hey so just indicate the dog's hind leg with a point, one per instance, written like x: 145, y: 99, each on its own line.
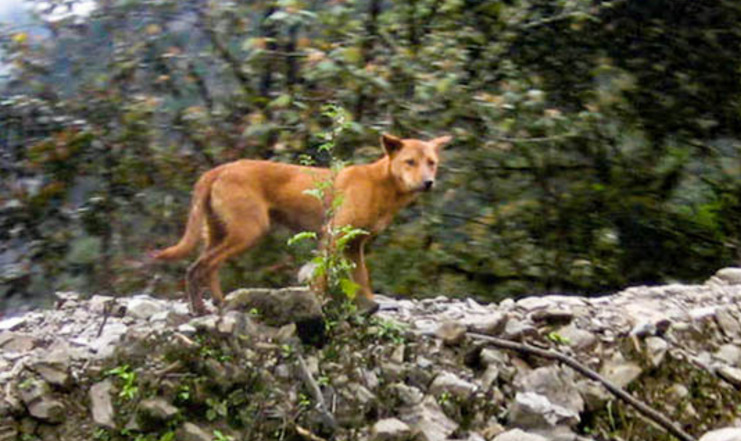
x: 244, y: 220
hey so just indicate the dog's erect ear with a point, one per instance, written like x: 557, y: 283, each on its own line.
x: 391, y: 144
x: 441, y: 141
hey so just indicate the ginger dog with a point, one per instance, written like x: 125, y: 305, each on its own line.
x: 236, y: 204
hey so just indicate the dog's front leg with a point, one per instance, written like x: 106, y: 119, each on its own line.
x: 356, y: 254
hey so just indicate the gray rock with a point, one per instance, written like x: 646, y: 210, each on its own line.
x: 594, y: 394
x: 361, y: 394
x: 39, y: 401
x: 144, y: 307
x: 390, y: 429
x: 553, y: 316
x: 48, y: 410
x: 578, y: 339
x: 726, y: 434
x: 451, y: 333
x: 105, y: 345
x: 406, y: 395
x: 534, y: 411
x: 98, y: 304
x: 730, y: 374
x: 492, y: 323
x: 490, y: 376
x: 656, y: 350
x: 18, y: 342
x: 729, y: 354
x: 205, y: 323
x: 276, y: 307
x: 153, y: 412
x: 621, y: 372
x: 191, y: 432
x: 518, y: 435
x: 554, y: 383
x: 728, y: 276
x: 235, y: 322
x: 490, y: 356
x: 101, y: 405
x: 728, y: 323
x: 450, y: 383
x: 518, y: 329
x: 12, y: 323
x: 428, y: 420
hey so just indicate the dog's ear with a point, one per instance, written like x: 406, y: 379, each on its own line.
x: 441, y: 141
x: 391, y: 144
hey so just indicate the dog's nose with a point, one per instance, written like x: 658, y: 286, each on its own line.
x: 428, y: 184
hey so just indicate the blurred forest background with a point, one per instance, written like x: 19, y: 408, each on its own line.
x: 597, y: 143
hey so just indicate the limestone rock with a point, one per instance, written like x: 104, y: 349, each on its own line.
x: 594, y: 394
x: 152, y: 412
x: 17, y: 341
x: 144, y: 307
x: 390, y: 429
x: 728, y: 323
x: 518, y: 435
x: 450, y: 383
x: 428, y: 419
x: 491, y: 323
x: 276, y: 307
x: 191, y: 432
x: 554, y: 383
x: 101, y: 404
x: 729, y: 354
x: 41, y: 404
x: 12, y: 323
x: 727, y: 276
x: 726, y: 434
x: 451, y: 333
x: 534, y: 411
x: 620, y: 371
x: 656, y: 350
x: 578, y: 339
x: 731, y: 375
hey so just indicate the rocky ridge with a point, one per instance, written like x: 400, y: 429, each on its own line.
x: 141, y: 368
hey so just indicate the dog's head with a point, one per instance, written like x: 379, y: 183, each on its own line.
x: 413, y: 162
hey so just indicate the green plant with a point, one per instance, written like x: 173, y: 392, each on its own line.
x: 216, y: 409
x: 557, y: 338
x: 330, y: 263
x: 389, y: 330
x: 129, y: 390
x: 220, y: 436
x: 444, y: 398
x: 304, y: 401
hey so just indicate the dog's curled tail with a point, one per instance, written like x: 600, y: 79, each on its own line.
x: 192, y: 235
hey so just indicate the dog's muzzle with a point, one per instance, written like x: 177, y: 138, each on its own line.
x: 427, y: 185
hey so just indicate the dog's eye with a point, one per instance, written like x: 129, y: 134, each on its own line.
x: 431, y: 163
x: 410, y: 162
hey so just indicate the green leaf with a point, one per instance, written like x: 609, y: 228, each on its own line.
x: 302, y: 236
x: 349, y: 288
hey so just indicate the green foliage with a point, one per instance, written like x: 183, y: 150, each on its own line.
x: 128, y: 378
x: 330, y: 262
x: 596, y: 143
x: 219, y: 436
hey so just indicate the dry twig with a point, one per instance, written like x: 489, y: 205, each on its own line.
x: 550, y: 354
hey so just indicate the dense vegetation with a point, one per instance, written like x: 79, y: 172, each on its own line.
x: 596, y: 142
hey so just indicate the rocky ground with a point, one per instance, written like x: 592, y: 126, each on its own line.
x: 140, y: 368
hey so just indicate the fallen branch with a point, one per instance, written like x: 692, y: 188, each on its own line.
x: 316, y: 393
x: 550, y: 354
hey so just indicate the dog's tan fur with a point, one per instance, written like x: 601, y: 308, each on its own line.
x: 239, y: 202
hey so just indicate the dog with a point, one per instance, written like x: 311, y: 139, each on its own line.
x: 237, y: 203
